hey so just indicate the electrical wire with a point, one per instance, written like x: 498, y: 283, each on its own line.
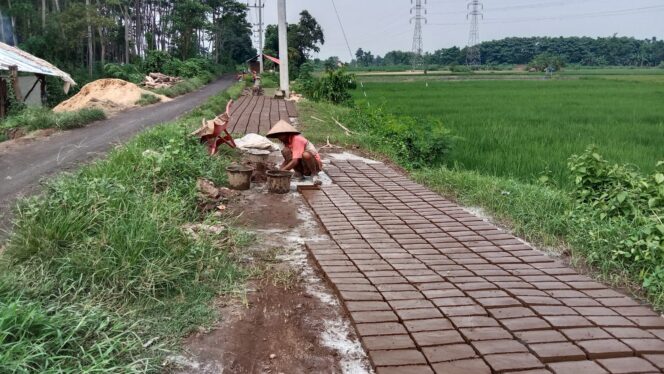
x: 343, y: 31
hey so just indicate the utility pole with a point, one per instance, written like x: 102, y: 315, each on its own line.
x: 418, y: 44
x: 283, y: 49
x: 475, y: 11
x: 259, y: 7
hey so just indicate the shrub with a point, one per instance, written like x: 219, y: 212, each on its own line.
x: 661, y: 65
x: 334, y: 87
x: 620, y: 212
x: 127, y: 72
x: 545, y: 61
x: 155, y: 61
x: 460, y: 69
x: 413, y: 142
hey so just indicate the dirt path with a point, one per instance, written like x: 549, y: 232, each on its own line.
x: 23, y: 164
x: 431, y: 288
x: 291, y: 322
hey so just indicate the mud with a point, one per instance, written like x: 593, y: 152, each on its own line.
x: 290, y: 321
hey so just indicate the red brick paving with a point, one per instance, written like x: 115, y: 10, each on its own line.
x: 257, y: 114
x: 432, y: 288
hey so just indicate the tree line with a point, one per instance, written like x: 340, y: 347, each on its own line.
x: 610, y: 51
x: 75, y: 33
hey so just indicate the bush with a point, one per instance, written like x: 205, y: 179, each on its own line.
x: 155, y: 61
x: 460, y: 69
x: 33, y: 118
x: 661, y: 65
x: 334, y: 86
x: 127, y: 72
x: 545, y: 61
x: 414, y: 143
x: 620, y: 212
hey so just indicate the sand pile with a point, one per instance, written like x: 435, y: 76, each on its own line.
x: 109, y: 95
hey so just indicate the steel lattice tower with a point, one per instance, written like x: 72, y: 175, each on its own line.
x: 418, y: 45
x: 475, y: 12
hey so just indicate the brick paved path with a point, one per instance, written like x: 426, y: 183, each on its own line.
x: 432, y: 288
x: 257, y: 114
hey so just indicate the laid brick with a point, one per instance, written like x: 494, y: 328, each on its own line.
x: 377, y: 343
x: 355, y: 287
x: 513, y: 362
x: 567, y: 321
x: 363, y: 306
x: 425, y: 313
x: 485, y: 333
x: 395, y: 287
x: 525, y: 324
x: 432, y: 338
x: 586, y: 333
x: 540, y: 336
x: 474, y: 366
x: 410, y: 369
x: 629, y: 332
x: 534, y: 371
x: 402, y: 295
x: 479, y: 321
x: 557, y: 352
x: 383, y: 328
x: 400, y: 357
x: 428, y: 325
x: 554, y: 310
x: 648, y: 322
x: 498, y: 302
x: 627, y: 365
x: 577, y: 367
x: 606, y: 348
x: 410, y: 304
x: 611, y: 321
x: 645, y: 345
x: 580, y: 301
x: 451, y: 301
x: 618, y: 301
x: 467, y: 310
x: 514, y: 312
x: 361, y: 296
x: 657, y: 360
x: 635, y: 311
x: 374, y: 316
x: 595, y: 311
x: 450, y: 352
x: 486, y: 347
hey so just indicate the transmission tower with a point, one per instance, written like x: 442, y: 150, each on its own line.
x: 420, y: 11
x: 259, y: 7
x: 475, y: 12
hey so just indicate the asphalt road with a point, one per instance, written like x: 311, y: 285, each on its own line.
x: 24, y: 166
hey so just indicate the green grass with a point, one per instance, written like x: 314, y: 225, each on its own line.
x: 99, y: 264
x: 521, y: 129
x: 31, y: 119
x: 186, y: 86
x: 147, y: 99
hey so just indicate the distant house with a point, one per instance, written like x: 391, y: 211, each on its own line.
x: 29, y: 88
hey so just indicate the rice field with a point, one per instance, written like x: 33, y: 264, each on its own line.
x: 527, y: 128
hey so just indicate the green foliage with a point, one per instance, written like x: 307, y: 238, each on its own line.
x: 460, y: 69
x: 304, y: 38
x: 413, y: 142
x: 111, y: 236
x: 661, y: 65
x: 631, y: 205
x: 270, y: 80
x: 546, y: 61
x: 334, y: 86
x: 127, y: 72
x: 186, y: 86
x: 155, y: 61
x: 32, y: 119
x: 147, y: 99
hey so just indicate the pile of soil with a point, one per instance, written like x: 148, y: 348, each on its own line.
x: 109, y: 95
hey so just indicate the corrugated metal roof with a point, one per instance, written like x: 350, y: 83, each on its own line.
x: 12, y: 56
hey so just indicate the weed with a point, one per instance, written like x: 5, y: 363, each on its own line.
x: 147, y: 99
x: 32, y: 119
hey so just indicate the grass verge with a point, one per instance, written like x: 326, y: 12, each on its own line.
x: 31, y: 119
x: 547, y: 216
x: 147, y: 99
x: 186, y: 86
x: 98, y: 275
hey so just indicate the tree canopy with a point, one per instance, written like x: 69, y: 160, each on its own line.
x: 304, y: 38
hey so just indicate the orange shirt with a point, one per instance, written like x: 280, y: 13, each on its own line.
x: 298, y: 144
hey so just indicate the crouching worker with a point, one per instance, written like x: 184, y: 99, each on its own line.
x: 299, y: 154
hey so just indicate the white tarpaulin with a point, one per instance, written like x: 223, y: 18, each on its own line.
x: 27, y: 63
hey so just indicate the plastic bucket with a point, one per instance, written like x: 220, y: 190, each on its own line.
x: 239, y: 177
x: 278, y: 181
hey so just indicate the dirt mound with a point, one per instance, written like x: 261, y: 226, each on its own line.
x: 109, y: 95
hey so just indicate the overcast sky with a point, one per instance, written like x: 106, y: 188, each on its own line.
x: 383, y: 25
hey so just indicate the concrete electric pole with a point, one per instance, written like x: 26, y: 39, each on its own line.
x: 283, y: 49
x: 259, y: 7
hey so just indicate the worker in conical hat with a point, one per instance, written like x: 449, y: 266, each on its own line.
x: 299, y: 154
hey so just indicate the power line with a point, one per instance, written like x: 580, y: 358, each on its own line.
x: 343, y: 31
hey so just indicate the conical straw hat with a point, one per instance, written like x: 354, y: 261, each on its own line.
x: 282, y: 127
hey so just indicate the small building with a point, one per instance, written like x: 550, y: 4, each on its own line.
x: 29, y: 88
